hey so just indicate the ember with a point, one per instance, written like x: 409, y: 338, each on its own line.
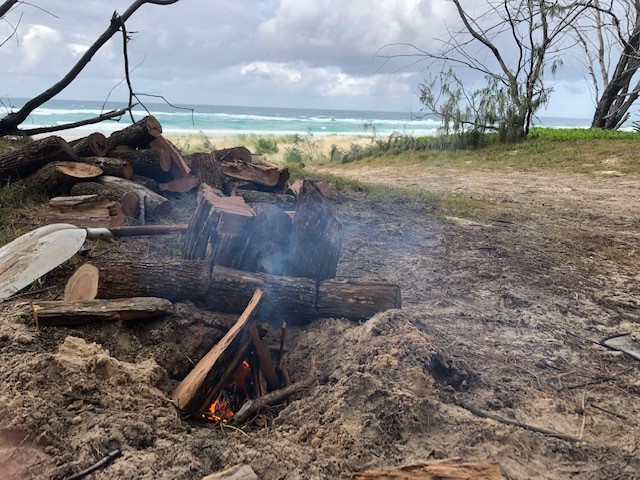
x: 236, y: 392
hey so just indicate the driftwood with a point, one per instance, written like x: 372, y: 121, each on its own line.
x: 128, y: 200
x: 93, y: 145
x: 61, y: 313
x: 206, y: 381
x: 437, y: 470
x: 218, y: 230
x: 110, y: 166
x: 206, y: 167
x: 154, y: 203
x: 59, y: 177
x: 317, y: 236
x: 19, y: 162
x: 86, y: 211
x: 138, y: 134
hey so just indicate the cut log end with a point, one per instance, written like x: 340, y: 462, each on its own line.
x: 83, y: 284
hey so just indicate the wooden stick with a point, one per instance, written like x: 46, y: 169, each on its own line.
x: 251, y: 407
x: 515, y: 423
x: 264, y: 357
x: 102, y: 463
x: 283, y: 335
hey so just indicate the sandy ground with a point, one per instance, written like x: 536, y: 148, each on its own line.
x: 500, y: 313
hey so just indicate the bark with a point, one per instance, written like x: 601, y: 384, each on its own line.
x: 93, y: 145
x: 86, y: 211
x: 218, y: 230
x: 437, y: 470
x: 356, y: 299
x: 206, y: 167
x: 27, y: 159
x: 317, y: 236
x: 261, y: 174
x: 63, y: 313
x: 240, y: 154
x: 180, y: 185
x: 268, y: 247
x: 285, y: 297
x: 147, y: 182
x: 9, y: 124
x: 179, y: 167
x: 146, y: 161
x: 174, y: 280
x: 58, y: 177
x: 127, y: 199
x: 285, y: 202
x: 206, y: 381
x: 110, y: 166
x: 138, y: 134
x: 154, y: 203
x: 264, y: 356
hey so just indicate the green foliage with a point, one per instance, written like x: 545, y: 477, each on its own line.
x: 568, y: 134
x: 304, y: 150
x: 265, y: 145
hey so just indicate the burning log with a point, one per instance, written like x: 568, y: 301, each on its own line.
x: 147, y: 162
x: 63, y: 313
x: 58, y: 177
x: 437, y: 470
x: 268, y: 246
x: 206, y: 167
x: 218, y: 230
x: 86, y: 211
x: 207, y: 380
x: 128, y: 200
x: 138, y: 134
x: 110, y: 166
x: 356, y: 299
x: 18, y: 162
x: 154, y: 203
x: 317, y: 236
x: 93, y: 145
x: 252, y: 407
x: 178, y: 167
x: 172, y: 279
x: 180, y: 185
x: 283, y: 201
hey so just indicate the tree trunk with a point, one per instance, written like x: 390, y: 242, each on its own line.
x: 58, y: 177
x: 127, y: 199
x: 218, y: 230
x: 147, y: 182
x: 22, y: 161
x: 63, y: 313
x: 268, y: 247
x: 317, y: 236
x: 285, y: 297
x: 206, y: 167
x: 110, y: 166
x: 138, y: 134
x: 262, y: 174
x: 240, y: 154
x: 154, y: 203
x: 86, y: 211
x: 94, y: 145
x: 146, y: 161
x: 172, y: 279
x: 180, y: 185
x: 178, y: 167
x: 356, y: 299
x: 206, y: 381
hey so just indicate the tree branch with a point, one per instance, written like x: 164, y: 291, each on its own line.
x: 67, y: 126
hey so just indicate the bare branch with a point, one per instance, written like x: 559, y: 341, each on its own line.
x: 100, y: 118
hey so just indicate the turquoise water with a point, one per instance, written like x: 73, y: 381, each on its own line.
x: 227, y: 120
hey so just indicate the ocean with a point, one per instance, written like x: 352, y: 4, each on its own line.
x: 219, y: 121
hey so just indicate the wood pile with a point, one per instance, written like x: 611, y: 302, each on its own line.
x: 254, y: 245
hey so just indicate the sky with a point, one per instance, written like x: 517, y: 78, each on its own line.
x: 274, y: 53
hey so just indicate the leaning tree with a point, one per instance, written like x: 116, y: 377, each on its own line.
x: 10, y: 124
x: 513, y: 46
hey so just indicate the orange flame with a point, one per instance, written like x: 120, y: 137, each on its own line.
x: 221, y: 409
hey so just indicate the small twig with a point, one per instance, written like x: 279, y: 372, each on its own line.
x: 598, y: 380
x: 584, y: 416
x: 251, y: 407
x: 26, y: 294
x: 515, y: 423
x: 602, y: 409
x: 102, y: 463
x: 283, y: 336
